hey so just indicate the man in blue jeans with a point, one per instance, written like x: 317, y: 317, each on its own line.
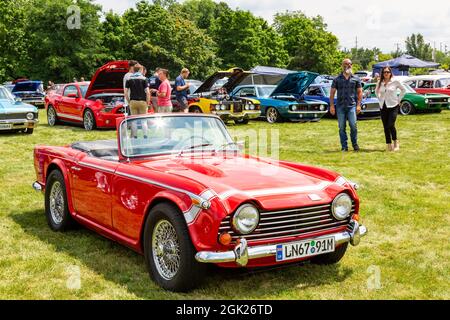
x: 349, y: 96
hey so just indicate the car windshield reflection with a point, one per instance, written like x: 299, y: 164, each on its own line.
x: 157, y: 135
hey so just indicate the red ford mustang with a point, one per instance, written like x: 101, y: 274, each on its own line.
x: 96, y: 104
x: 179, y: 190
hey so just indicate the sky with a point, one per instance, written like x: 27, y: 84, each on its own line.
x: 381, y: 23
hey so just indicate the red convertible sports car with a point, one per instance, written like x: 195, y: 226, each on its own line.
x: 96, y: 104
x: 179, y: 191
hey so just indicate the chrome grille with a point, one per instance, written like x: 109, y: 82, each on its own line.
x: 372, y: 107
x: 13, y: 116
x: 291, y: 222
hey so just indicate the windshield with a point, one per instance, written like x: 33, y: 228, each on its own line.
x: 265, y: 91
x: 5, y: 94
x: 153, y: 135
x: 443, y: 83
x: 28, y: 86
x: 326, y: 90
x: 83, y: 90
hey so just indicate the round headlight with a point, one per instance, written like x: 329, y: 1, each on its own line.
x: 341, y: 206
x: 223, y: 107
x: 247, y: 107
x: 426, y: 100
x: 30, y: 116
x: 246, y: 219
x: 217, y: 107
x: 322, y: 108
x: 252, y: 107
x: 363, y: 107
x: 294, y: 108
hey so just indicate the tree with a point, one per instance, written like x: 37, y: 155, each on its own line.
x: 246, y: 41
x: 12, y: 38
x: 204, y: 12
x: 416, y: 46
x: 309, y: 44
x: 174, y: 44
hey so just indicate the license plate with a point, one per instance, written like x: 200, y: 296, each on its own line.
x: 305, y: 248
x: 5, y: 126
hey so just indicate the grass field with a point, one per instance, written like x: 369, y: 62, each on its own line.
x: 404, y: 203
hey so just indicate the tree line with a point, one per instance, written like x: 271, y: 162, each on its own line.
x: 36, y: 41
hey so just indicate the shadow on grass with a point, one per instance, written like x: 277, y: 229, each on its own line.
x: 126, y: 268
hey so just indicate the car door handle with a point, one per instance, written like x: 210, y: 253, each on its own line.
x: 75, y: 168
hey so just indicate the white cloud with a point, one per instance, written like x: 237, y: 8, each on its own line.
x: 376, y: 24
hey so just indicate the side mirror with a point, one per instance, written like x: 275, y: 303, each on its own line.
x: 72, y: 95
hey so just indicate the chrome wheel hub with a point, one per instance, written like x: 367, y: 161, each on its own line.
x: 166, y: 249
x: 272, y: 115
x: 88, y: 121
x: 57, y: 203
x: 405, y: 108
x: 51, y: 116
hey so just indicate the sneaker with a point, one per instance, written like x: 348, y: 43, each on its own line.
x: 356, y: 147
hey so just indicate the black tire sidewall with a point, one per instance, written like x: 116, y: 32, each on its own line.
x: 57, y: 176
x: 189, y: 274
x: 332, y: 257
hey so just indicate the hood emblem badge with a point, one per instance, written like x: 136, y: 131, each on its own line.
x: 314, y: 197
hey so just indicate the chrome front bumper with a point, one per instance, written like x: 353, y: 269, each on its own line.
x: 20, y: 124
x: 247, y: 114
x: 242, y: 253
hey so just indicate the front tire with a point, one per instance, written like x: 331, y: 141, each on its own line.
x: 272, y: 115
x: 89, y: 120
x: 168, y: 250
x: 28, y: 130
x: 56, y: 207
x: 241, y: 121
x: 407, y: 108
x: 332, y: 257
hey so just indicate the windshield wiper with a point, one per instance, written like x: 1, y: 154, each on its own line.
x: 194, y: 147
x: 225, y: 145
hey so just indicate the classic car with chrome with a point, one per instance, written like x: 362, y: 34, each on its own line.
x: 213, y: 96
x: 370, y: 106
x: 31, y: 92
x: 285, y: 101
x: 181, y: 192
x: 414, y: 102
x: 193, y: 86
x: 16, y: 115
x: 95, y: 104
x: 430, y: 84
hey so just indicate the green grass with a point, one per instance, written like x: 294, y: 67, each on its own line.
x: 404, y: 203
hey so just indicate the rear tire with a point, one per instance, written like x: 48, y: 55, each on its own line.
x: 52, y: 118
x: 168, y: 250
x: 56, y: 207
x: 332, y: 257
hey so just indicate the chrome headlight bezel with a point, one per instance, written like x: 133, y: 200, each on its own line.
x: 245, y: 211
x: 341, y: 202
x: 223, y: 107
x: 30, y: 115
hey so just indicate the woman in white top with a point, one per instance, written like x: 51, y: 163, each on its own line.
x: 387, y: 93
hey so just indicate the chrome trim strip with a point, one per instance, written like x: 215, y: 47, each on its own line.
x: 13, y: 121
x: 93, y: 166
x: 68, y: 116
x: 307, y: 112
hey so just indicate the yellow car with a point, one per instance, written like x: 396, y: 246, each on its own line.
x: 213, y: 97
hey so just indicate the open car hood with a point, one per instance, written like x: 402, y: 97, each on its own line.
x: 108, y: 78
x: 295, y: 84
x: 235, y: 77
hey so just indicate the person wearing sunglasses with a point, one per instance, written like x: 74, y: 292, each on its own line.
x: 387, y: 91
x: 349, y: 96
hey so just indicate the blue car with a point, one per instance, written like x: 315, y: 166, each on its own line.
x: 15, y: 115
x: 285, y: 101
x: 31, y: 92
x: 370, y: 108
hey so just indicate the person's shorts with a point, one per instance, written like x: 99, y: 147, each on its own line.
x: 164, y: 109
x: 183, y: 103
x: 138, y: 107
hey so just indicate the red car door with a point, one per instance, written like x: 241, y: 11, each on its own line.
x: 71, y: 104
x: 91, y: 188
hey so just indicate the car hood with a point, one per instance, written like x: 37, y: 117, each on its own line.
x: 8, y: 106
x: 295, y: 83
x: 108, y: 78
x: 237, y: 179
x: 235, y: 77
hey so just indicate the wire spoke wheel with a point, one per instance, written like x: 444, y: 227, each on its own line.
x: 166, y: 249
x: 57, y: 203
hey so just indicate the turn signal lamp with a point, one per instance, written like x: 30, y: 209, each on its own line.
x: 225, y: 238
